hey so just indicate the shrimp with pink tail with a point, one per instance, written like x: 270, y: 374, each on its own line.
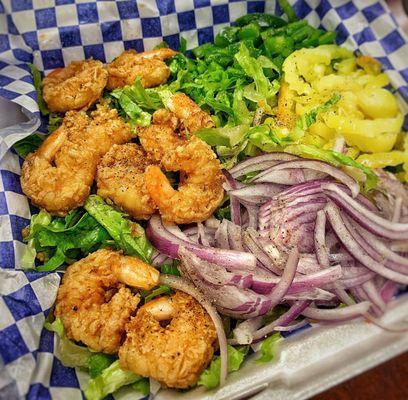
x: 94, y: 301
x: 149, y: 66
x: 174, y: 354
x: 59, y: 174
x: 75, y: 87
x: 200, y: 190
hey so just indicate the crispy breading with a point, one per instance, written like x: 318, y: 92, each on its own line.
x: 174, y: 354
x: 75, y: 87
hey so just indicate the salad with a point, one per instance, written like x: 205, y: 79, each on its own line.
x: 201, y: 202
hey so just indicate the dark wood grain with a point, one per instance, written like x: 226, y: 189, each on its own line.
x: 388, y: 381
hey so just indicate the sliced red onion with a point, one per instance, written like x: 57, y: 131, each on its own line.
x: 281, y: 176
x: 169, y: 244
x: 373, y: 222
x: 279, y: 291
x: 388, y: 291
x: 259, y: 163
x: 357, y: 280
x: 308, y: 264
x: 178, y: 283
x: 356, y: 250
x: 373, y: 295
x: 311, y: 294
x: 229, y: 299
x: 256, y: 194
x: 244, y: 330
x: 202, y: 235
x: 292, y: 327
x: 221, y: 236
x: 235, y: 236
x: 321, y: 251
x: 337, y: 314
x: 252, y: 215
x: 397, y: 210
x: 273, y: 174
x: 234, y: 203
x: 382, y: 248
x: 264, y: 284
x: 294, y: 311
x: 250, y: 237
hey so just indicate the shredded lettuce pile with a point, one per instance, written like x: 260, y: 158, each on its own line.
x: 57, y: 241
x: 104, y: 369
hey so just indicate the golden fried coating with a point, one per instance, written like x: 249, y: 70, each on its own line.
x: 58, y: 176
x: 149, y: 66
x: 175, y: 354
x: 75, y: 87
x: 192, y: 116
x: 157, y: 140
x: 120, y: 178
x: 93, y: 302
x: 200, y: 191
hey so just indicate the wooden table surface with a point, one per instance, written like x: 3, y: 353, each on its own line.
x: 388, y: 381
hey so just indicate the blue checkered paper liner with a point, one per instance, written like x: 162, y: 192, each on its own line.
x: 50, y: 34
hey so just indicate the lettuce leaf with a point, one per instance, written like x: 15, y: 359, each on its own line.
x: 37, y: 80
x: 334, y: 158
x: 62, y: 240
x: 268, y: 348
x: 69, y: 353
x: 227, y: 136
x: 210, y: 378
x: 128, y: 236
x: 136, y: 103
x: 309, y: 118
x: 110, y: 380
x: 27, y: 145
x: 97, y: 362
x: 254, y: 69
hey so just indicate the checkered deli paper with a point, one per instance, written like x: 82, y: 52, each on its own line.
x: 50, y: 34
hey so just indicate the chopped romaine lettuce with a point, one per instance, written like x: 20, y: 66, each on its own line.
x: 151, y: 294
x: 268, y: 348
x: 308, y: 119
x: 97, y: 362
x: 69, y: 353
x: 254, y: 69
x: 210, y: 378
x: 27, y: 145
x: 136, y: 103
x: 128, y: 236
x: 170, y: 269
x: 62, y: 239
x: 110, y: 380
x: 37, y: 80
x: 227, y: 136
x: 142, y: 386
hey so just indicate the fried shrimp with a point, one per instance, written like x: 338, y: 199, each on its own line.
x: 176, y: 354
x: 191, y: 115
x: 149, y: 66
x: 121, y: 178
x: 75, y: 87
x: 58, y: 176
x: 93, y: 301
x: 200, y: 190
